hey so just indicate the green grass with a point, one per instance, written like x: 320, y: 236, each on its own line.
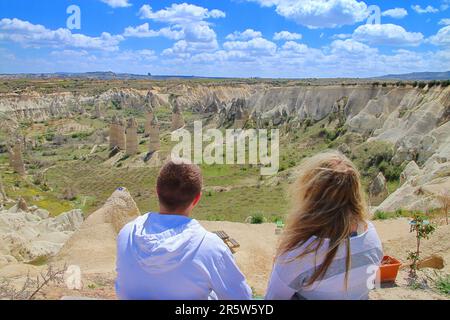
x: 442, y: 283
x: 257, y: 219
x: 383, y: 215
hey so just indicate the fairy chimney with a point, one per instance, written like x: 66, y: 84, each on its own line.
x: 155, y: 144
x: 132, y: 137
x: 121, y: 138
x: 3, y: 197
x: 113, y: 133
x: 177, y: 116
x: 148, y: 114
x: 240, y: 116
x: 16, y: 159
x: 98, y: 109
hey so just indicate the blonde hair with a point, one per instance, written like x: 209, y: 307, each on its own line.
x: 327, y: 203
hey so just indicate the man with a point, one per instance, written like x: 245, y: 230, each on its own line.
x: 170, y: 256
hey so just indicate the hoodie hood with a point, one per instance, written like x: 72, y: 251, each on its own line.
x: 163, y: 242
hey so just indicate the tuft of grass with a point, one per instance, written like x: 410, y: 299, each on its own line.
x: 442, y: 283
x: 380, y: 215
x: 39, y: 261
x: 257, y: 219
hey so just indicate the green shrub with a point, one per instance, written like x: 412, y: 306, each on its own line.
x: 442, y: 283
x: 257, y: 219
x: 380, y: 215
x: 81, y: 135
x: 49, y: 136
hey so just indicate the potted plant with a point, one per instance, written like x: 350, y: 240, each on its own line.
x: 389, y: 269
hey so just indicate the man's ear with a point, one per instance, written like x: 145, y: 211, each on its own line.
x: 196, y: 199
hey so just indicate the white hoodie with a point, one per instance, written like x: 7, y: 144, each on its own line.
x: 172, y: 257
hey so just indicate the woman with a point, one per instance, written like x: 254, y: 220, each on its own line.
x: 328, y: 250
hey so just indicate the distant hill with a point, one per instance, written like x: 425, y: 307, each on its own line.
x: 424, y: 76
x: 91, y: 75
x: 109, y: 75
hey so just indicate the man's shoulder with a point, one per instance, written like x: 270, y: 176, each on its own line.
x: 127, y: 228
x: 213, y: 245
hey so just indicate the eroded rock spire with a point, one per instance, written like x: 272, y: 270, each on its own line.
x: 132, y: 143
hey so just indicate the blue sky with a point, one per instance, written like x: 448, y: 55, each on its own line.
x: 232, y: 38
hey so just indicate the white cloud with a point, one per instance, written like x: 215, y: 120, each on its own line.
x: 295, y: 47
x: 387, y: 34
x: 442, y: 38
x: 117, y: 3
x: 444, y: 22
x: 319, y: 13
x: 186, y: 23
x: 260, y: 46
x: 35, y: 35
x: 184, y: 50
x: 144, y: 31
x: 351, y: 47
x: 429, y: 9
x: 245, y: 35
x: 341, y: 36
x: 286, y: 35
x: 180, y: 13
x: 396, y: 13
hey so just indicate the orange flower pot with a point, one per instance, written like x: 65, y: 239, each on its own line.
x: 389, y: 269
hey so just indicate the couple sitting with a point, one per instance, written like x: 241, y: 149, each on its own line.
x: 325, y: 252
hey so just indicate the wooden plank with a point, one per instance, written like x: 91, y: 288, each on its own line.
x: 234, y: 243
x: 222, y: 235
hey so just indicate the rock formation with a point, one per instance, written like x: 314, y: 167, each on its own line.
x: 378, y: 189
x: 16, y: 158
x: 413, y: 119
x: 93, y: 246
x: 411, y: 170
x: 155, y: 144
x: 148, y: 113
x: 240, y: 114
x: 98, y: 108
x: 3, y: 197
x: 121, y: 137
x: 117, y: 138
x: 132, y: 143
x: 177, y: 116
x: 29, y: 234
x: 22, y: 205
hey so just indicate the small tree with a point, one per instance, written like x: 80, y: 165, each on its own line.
x: 423, y: 229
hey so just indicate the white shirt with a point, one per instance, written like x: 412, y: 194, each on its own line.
x: 290, y: 275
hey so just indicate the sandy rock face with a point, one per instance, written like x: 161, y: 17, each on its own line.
x: 411, y: 170
x: 93, y: 246
x: 27, y: 236
x: 378, y: 189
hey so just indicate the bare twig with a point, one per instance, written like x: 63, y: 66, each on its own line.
x: 31, y: 287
